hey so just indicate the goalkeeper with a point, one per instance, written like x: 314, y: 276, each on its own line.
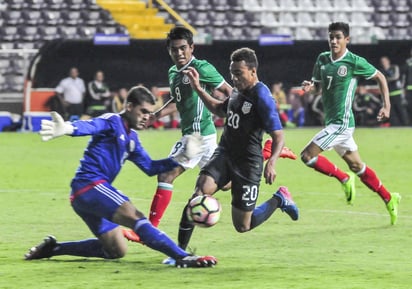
x: 101, y: 206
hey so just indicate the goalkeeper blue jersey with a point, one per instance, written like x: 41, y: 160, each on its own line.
x: 112, y: 143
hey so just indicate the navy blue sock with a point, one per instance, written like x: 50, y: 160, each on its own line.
x: 84, y: 248
x: 263, y: 212
x: 157, y: 240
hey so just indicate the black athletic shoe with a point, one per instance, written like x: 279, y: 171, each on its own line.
x: 43, y: 250
x: 196, y: 262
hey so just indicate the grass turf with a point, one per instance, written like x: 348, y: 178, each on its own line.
x: 333, y: 245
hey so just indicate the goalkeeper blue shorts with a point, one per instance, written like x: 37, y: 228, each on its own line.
x: 96, y: 205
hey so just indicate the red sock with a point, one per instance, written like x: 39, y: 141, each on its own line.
x: 324, y: 166
x: 370, y: 179
x: 160, y: 201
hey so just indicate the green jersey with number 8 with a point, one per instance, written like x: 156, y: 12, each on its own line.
x: 338, y: 79
x: 195, y: 117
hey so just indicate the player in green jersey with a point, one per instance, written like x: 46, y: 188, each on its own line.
x: 335, y: 74
x: 195, y: 117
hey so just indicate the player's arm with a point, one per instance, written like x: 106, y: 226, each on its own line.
x: 191, y: 148
x: 310, y: 86
x: 168, y: 108
x: 223, y: 91
x: 151, y: 167
x: 384, y: 112
x: 54, y: 128
x: 57, y: 127
x: 278, y: 141
x: 216, y: 106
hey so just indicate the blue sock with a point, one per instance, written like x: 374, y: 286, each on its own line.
x: 84, y: 248
x: 263, y: 212
x: 157, y: 240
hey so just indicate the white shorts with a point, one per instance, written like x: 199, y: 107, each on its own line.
x: 208, y: 147
x: 334, y: 136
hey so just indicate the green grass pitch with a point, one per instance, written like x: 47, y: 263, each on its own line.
x: 333, y: 245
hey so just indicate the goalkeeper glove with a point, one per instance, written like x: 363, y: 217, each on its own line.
x: 56, y: 127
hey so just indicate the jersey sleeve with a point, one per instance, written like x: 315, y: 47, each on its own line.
x: 150, y: 167
x: 267, y: 110
x: 316, y: 70
x: 209, y: 75
x: 103, y: 124
x: 364, y: 69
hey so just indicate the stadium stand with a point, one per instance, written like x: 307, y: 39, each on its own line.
x: 27, y: 24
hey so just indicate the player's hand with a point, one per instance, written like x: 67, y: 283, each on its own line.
x: 307, y: 85
x: 383, y: 114
x: 193, y: 75
x: 269, y: 172
x: 191, y: 148
x: 56, y: 127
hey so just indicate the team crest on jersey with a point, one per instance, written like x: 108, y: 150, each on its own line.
x: 246, y: 107
x: 342, y: 70
x: 185, y: 79
x: 132, y: 146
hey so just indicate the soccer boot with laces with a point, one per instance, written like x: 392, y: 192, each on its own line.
x: 286, y: 203
x: 392, y: 207
x: 43, y: 250
x: 349, y: 188
x: 196, y: 262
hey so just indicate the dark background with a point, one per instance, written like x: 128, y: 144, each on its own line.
x: 147, y: 62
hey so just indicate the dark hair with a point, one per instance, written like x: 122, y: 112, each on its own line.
x: 339, y: 26
x: 139, y: 94
x: 179, y: 32
x: 246, y: 54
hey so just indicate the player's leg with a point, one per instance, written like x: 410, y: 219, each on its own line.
x: 312, y: 158
x: 330, y: 137
x: 164, y: 190
x: 95, y: 207
x: 127, y: 215
x: 371, y: 180
x: 205, y: 185
x: 163, y: 194
x: 105, y: 246
x: 245, y: 216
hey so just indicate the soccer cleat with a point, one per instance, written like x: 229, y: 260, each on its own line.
x: 392, y: 207
x: 131, y: 235
x: 169, y: 261
x: 196, y: 262
x: 286, y: 204
x: 285, y: 153
x: 349, y: 188
x: 43, y: 250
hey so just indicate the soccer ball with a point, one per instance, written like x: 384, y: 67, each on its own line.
x: 203, y: 211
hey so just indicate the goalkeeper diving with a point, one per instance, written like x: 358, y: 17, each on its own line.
x: 101, y: 206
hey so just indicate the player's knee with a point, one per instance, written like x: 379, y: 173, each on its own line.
x: 116, y: 253
x: 307, y: 159
x: 166, y: 178
x: 356, y: 167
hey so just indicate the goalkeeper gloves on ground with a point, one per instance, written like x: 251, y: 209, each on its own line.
x: 56, y: 127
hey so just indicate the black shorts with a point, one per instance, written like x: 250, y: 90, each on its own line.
x: 245, y: 175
